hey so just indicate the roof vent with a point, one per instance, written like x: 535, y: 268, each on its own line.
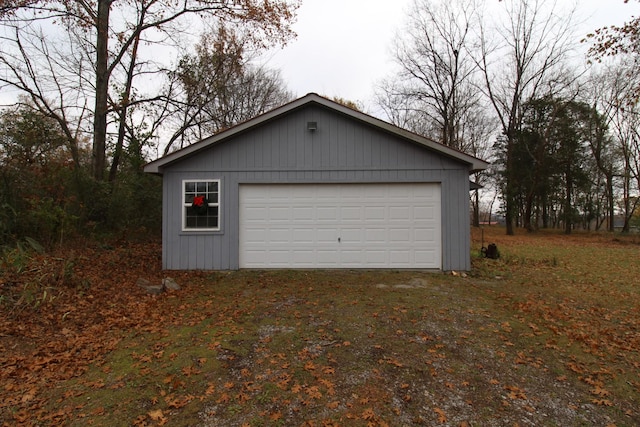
x: 312, y: 126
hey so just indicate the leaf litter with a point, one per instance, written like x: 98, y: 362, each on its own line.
x: 547, y: 335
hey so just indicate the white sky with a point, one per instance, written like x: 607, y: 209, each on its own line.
x: 343, y: 46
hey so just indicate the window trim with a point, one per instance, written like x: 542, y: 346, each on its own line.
x: 185, y: 205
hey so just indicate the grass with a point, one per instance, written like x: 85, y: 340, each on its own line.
x: 547, y: 335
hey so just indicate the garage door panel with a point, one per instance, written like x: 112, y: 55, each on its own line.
x: 401, y: 192
x: 327, y: 213
x: 273, y: 192
x: 281, y: 257
x: 378, y: 226
x: 351, y: 257
x: 255, y: 257
x: 254, y: 213
x: 348, y: 235
x: 304, y: 235
x: 376, y: 235
x: 303, y: 257
x: 399, y: 235
x: 426, y: 256
x: 400, y: 213
x: 327, y: 258
x: 305, y: 213
x: 279, y: 235
x: 322, y: 192
x: 375, y: 213
x: 400, y: 257
x: 376, y: 258
x: 424, y: 212
x: 352, y: 192
x: 255, y: 236
x: 424, y: 235
x: 327, y: 235
x: 350, y: 213
x: 279, y: 214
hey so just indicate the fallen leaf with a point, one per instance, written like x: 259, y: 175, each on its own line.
x: 599, y: 391
x: 210, y: 389
x: 28, y: 396
x: 275, y: 416
x: 368, y: 414
x: 158, y: 416
x: 328, y: 370
x: 190, y: 370
x: 98, y: 411
x: 442, y: 418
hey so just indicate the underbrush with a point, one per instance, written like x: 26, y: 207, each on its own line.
x: 30, y: 277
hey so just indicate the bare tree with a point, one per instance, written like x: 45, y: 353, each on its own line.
x: 522, y: 55
x: 624, y: 116
x: 401, y: 110
x: 219, y: 86
x: 49, y: 78
x: 477, y: 130
x: 432, y: 91
x: 617, y: 41
x: 108, y: 35
x: 610, y: 90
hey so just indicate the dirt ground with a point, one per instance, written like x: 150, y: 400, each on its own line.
x: 546, y: 335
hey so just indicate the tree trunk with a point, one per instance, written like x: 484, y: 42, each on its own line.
x: 567, y: 201
x: 610, y: 204
x: 510, y: 203
x: 476, y: 209
x: 122, y: 121
x: 528, y: 211
x: 102, y: 88
x: 508, y: 215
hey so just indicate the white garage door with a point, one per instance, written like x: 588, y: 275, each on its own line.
x: 340, y: 226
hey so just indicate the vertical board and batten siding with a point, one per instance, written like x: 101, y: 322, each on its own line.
x: 341, y: 150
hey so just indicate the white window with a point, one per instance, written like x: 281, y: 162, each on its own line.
x: 201, y: 205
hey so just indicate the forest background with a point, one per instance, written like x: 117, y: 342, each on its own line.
x: 105, y: 86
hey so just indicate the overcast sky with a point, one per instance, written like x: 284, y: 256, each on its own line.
x: 343, y: 46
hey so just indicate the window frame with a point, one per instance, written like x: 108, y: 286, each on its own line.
x: 186, y: 205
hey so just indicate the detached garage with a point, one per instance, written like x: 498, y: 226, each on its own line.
x: 314, y: 184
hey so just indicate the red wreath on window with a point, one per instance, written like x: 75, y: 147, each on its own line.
x: 198, y: 201
x: 200, y: 204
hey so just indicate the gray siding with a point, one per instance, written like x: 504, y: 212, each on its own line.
x: 341, y: 150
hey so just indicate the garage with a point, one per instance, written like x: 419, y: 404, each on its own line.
x: 381, y: 225
x: 316, y: 184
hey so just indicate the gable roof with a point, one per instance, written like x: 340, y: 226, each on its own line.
x: 156, y: 166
